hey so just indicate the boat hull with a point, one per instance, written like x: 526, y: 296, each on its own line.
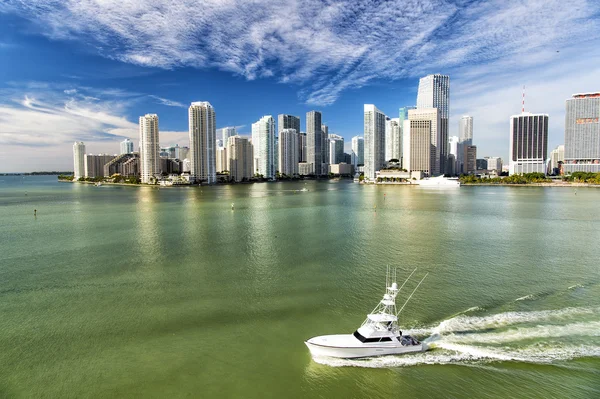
x: 358, y: 350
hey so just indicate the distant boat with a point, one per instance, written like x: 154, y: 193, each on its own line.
x: 304, y: 189
x: 439, y: 181
x: 98, y: 184
x: 378, y: 335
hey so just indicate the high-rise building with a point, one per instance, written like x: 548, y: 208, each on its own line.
x: 393, y: 144
x: 240, y: 157
x: 127, y: 165
x: 78, y: 160
x: 494, y: 164
x: 263, y: 140
x: 432, y: 115
x: 302, y: 147
x: 221, y: 160
x: 149, y: 148
x: 358, y: 151
x: 374, y: 125
x: 336, y: 149
x: 453, y: 155
x: 126, y: 146
x: 202, y: 130
x: 465, y: 129
x: 557, y: 159
x: 314, y: 142
x: 224, y: 133
x: 403, y: 114
x: 288, y: 152
x: 417, y: 146
x: 94, y: 164
x: 469, y: 158
x: 285, y: 121
x: 582, y: 133
x: 325, y: 149
x: 528, y: 143
x: 434, y: 92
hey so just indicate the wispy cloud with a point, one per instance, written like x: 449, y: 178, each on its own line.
x: 324, y: 47
x: 169, y: 103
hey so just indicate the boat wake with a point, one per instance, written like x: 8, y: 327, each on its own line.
x: 542, y: 337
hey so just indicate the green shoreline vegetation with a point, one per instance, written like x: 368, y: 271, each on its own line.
x: 533, y: 178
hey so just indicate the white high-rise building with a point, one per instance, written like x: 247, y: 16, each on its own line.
x: 582, y: 133
x: 263, y: 140
x: 494, y: 163
x: 374, y: 124
x: 288, y: 152
x: 465, y: 129
x: 314, y: 142
x: 434, y: 92
x: 336, y: 149
x: 126, y: 146
x: 453, y: 155
x: 393, y: 144
x: 78, y: 160
x: 557, y: 156
x: 221, y: 159
x: 203, y: 131
x: 432, y: 115
x: 224, y: 133
x: 240, y: 158
x: 358, y: 151
x: 528, y: 143
x: 149, y: 148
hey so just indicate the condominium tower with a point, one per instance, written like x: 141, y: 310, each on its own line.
x: 202, y: 131
x: 240, y: 158
x: 336, y: 149
x: 433, y: 116
x: 288, y: 152
x: 78, y: 160
x: 582, y: 133
x: 314, y: 142
x: 528, y: 143
x: 374, y: 133
x: 263, y: 140
x: 358, y: 151
x: 149, y: 147
x: 434, y: 92
x: 417, y: 146
x: 224, y: 133
x: 126, y: 146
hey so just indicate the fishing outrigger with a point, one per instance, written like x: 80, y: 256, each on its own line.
x: 378, y: 335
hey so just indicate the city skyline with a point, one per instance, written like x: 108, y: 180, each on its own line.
x: 97, y: 86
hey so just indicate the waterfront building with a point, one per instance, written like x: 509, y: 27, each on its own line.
x: 263, y: 140
x: 314, y: 142
x: 288, y: 152
x: 348, y: 159
x: 221, y: 163
x: 393, y: 143
x: 285, y: 121
x: 240, y: 158
x: 358, y: 151
x: 225, y: 133
x: 94, y: 164
x: 481, y: 164
x: 418, y: 150
x: 169, y: 166
x: 528, y: 143
x: 433, y: 116
x: 465, y: 129
x: 582, y: 133
x: 126, y: 146
x: 302, y: 147
x: 469, y: 159
x: 453, y: 155
x: 127, y: 165
x: 202, y: 132
x: 304, y: 169
x: 341, y: 169
x: 149, y: 148
x: 494, y: 164
x: 184, y: 153
x: 374, y: 146
x: 336, y: 149
x: 325, y: 150
x: 557, y: 159
x: 434, y: 92
x: 78, y: 160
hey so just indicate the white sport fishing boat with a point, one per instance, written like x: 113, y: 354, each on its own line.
x: 439, y: 181
x: 378, y: 335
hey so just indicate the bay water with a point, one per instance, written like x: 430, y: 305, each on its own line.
x: 117, y: 291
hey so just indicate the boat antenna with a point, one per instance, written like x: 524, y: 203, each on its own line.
x: 415, y: 290
x: 406, y: 281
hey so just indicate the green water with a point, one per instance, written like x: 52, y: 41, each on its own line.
x: 140, y: 292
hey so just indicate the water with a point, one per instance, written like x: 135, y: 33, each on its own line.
x: 130, y: 291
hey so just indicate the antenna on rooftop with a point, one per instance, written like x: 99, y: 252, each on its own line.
x: 523, y: 108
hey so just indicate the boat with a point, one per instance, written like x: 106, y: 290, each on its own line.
x: 378, y: 335
x: 439, y: 181
x: 304, y: 189
x: 98, y: 184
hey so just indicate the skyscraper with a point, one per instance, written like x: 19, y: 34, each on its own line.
x: 224, y: 133
x: 149, y: 147
x: 94, y: 164
x: 78, y: 160
x: 374, y: 125
x: 302, y: 147
x: 240, y: 158
x: 582, y: 133
x: 528, y: 143
x: 403, y: 114
x: 358, y: 151
x: 433, y: 116
x: 336, y: 149
x: 203, y: 131
x: 285, y: 121
x: 314, y: 142
x: 465, y: 129
x: 557, y: 158
x: 324, y: 149
x: 126, y: 146
x: 288, y: 152
x: 453, y: 155
x: 417, y: 146
x: 263, y: 140
x: 434, y: 92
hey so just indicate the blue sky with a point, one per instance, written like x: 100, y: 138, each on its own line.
x: 86, y: 69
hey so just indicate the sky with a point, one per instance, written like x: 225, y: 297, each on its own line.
x: 85, y: 70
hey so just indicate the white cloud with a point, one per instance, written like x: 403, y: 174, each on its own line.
x: 169, y: 103
x: 325, y: 47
